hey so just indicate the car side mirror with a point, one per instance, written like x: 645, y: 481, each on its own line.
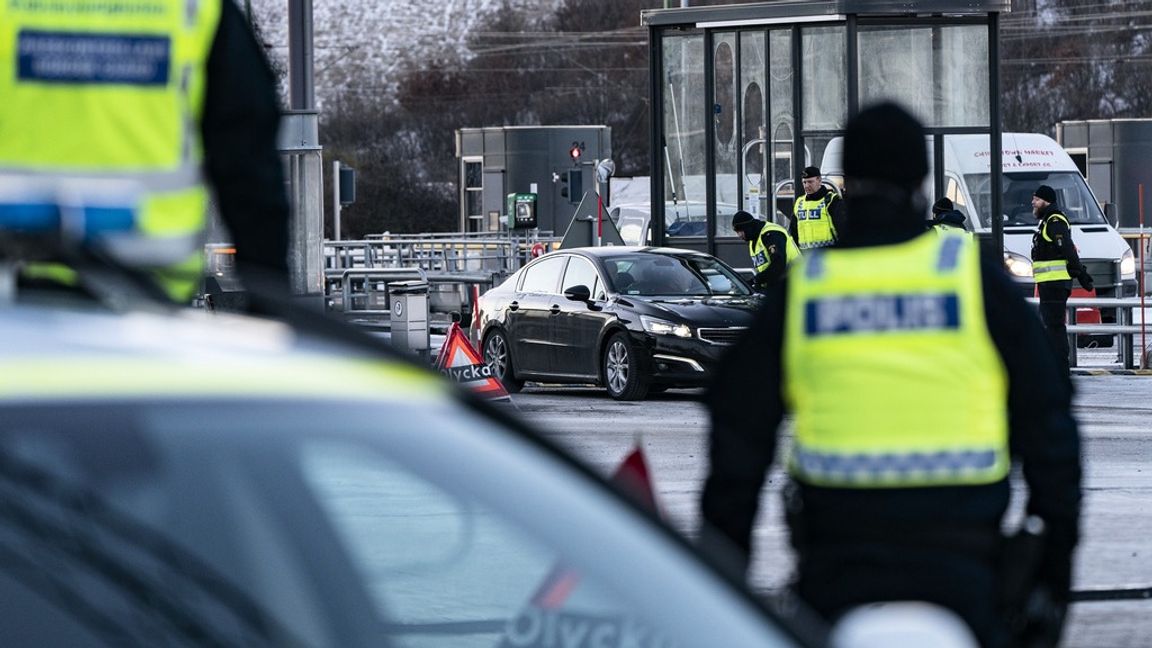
x: 1110, y: 214
x: 578, y: 293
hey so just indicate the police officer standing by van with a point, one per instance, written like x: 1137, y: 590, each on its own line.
x: 148, y: 97
x: 769, y: 245
x: 915, y: 372
x: 1054, y: 264
x: 817, y: 215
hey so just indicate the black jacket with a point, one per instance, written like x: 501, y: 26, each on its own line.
x: 1061, y: 246
x: 746, y: 408
x: 241, y: 160
x: 951, y: 218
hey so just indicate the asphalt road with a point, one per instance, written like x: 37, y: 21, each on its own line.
x: 1115, y: 413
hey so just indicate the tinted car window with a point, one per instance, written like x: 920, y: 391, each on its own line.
x: 543, y: 276
x: 581, y: 273
x: 667, y: 275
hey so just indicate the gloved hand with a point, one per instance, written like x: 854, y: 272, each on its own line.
x: 1043, y: 621
x: 1085, y: 279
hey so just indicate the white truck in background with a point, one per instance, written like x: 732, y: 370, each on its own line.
x: 1029, y: 160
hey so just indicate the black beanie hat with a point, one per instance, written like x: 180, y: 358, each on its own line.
x: 942, y: 205
x: 810, y: 172
x: 742, y: 219
x: 885, y: 143
x: 1046, y: 193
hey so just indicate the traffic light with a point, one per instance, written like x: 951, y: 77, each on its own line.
x: 575, y: 152
x: 564, y: 184
x: 574, y: 186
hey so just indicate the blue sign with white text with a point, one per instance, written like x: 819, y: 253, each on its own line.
x: 881, y: 313
x: 82, y: 58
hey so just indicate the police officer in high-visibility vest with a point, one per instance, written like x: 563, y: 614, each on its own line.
x: 1055, y: 263
x: 128, y: 106
x: 946, y: 218
x: 817, y: 215
x: 914, y: 372
x: 769, y: 245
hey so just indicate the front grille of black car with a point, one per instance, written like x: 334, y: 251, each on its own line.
x: 727, y: 335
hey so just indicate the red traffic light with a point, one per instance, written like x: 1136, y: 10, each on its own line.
x: 574, y: 152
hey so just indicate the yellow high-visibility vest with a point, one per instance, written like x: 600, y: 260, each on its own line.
x: 105, y: 98
x: 1056, y: 269
x: 814, y: 227
x: 760, y: 259
x: 890, y: 370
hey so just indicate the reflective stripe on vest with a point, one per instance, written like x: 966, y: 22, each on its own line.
x: 760, y: 258
x: 814, y: 225
x: 112, y: 92
x: 1056, y: 269
x: 890, y: 370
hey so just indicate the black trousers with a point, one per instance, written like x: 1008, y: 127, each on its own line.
x: 834, y: 580
x: 1053, y: 310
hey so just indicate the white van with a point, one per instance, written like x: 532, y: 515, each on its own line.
x: 1029, y: 160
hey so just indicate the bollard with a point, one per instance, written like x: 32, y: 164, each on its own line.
x: 409, y: 316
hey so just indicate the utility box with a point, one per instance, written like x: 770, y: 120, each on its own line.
x: 521, y: 210
x: 557, y: 163
x: 409, y: 316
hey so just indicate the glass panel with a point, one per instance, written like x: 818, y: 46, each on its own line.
x: 684, y: 144
x: 544, y: 276
x: 939, y: 73
x: 580, y: 273
x: 783, y: 120
x: 724, y: 118
x: 475, y: 200
x: 753, y: 128
x: 473, y: 175
x: 825, y: 85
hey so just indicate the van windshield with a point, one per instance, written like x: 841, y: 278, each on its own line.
x: 1072, y: 196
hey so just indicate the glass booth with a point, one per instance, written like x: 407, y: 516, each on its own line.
x: 745, y: 96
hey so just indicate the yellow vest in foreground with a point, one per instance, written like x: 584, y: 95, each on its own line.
x: 102, y: 103
x: 890, y: 370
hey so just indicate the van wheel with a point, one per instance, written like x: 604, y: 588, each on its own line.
x: 498, y: 356
x: 620, y: 370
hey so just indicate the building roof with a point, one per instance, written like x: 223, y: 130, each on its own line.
x: 784, y: 11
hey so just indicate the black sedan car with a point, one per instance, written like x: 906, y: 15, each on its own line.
x: 633, y: 319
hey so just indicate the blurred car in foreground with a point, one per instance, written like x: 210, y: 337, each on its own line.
x: 189, y: 479
x: 633, y: 319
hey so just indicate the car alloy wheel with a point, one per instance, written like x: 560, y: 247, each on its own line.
x: 621, y: 371
x: 499, y: 358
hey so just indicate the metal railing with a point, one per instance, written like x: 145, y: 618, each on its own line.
x: 1125, y: 329
x: 357, y: 273
x: 361, y: 295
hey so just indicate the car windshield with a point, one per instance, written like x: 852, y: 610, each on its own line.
x: 1072, y: 196
x: 666, y: 275
x: 344, y: 523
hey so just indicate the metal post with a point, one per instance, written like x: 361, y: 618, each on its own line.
x: 996, y: 141
x: 336, y: 200
x: 300, y: 80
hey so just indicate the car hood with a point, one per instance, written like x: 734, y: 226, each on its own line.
x: 700, y: 311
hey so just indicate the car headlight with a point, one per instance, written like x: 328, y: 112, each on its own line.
x: 664, y: 327
x: 1017, y: 265
x: 1128, y: 265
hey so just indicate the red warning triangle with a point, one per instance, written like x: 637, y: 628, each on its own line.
x: 459, y: 361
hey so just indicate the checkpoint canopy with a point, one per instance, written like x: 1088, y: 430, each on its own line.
x: 745, y: 96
